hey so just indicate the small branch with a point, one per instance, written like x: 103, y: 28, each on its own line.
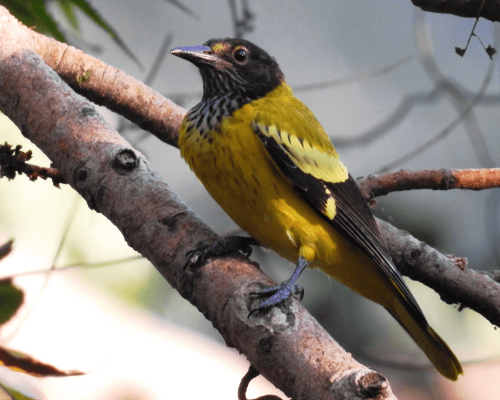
x: 434, y: 179
x: 242, y: 25
x: 397, y: 116
x: 251, y: 374
x: 460, y: 51
x: 13, y: 161
x: 462, y: 8
x: 453, y: 91
x: 350, y: 79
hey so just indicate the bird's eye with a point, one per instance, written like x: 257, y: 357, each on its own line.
x: 240, y: 56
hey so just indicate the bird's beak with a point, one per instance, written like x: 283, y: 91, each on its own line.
x: 196, y: 54
x: 200, y: 55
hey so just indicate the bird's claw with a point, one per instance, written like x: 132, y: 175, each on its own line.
x: 219, y: 247
x: 278, y: 295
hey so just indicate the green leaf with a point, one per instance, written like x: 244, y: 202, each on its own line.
x: 67, y: 9
x: 34, y: 15
x: 11, y: 298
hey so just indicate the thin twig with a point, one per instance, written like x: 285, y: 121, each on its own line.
x: 13, y: 161
x: 242, y: 25
x: 350, y: 79
x: 441, y: 82
x: 458, y: 50
x: 79, y: 265
x: 251, y: 374
x: 426, y: 55
x: 446, y: 131
x: 395, y: 118
x: 29, y: 310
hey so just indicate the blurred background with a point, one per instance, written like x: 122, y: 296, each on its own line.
x: 384, y: 80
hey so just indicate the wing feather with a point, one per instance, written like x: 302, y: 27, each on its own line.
x: 320, y: 177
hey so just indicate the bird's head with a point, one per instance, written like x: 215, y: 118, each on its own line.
x: 233, y: 67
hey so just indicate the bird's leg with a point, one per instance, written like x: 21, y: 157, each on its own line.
x: 283, y: 291
x: 222, y: 246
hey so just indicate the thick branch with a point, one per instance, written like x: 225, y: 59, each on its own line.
x: 488, y: 9
x: 286, y: 345
x: 435, y: 179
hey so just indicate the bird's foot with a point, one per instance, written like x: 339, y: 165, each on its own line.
x: 283, y: 291
x: 278, y: 295
x: 219, y: 247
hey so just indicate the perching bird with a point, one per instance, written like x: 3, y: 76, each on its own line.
x: 265, y: 158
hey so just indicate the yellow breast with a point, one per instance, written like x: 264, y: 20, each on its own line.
x: 235, y: 169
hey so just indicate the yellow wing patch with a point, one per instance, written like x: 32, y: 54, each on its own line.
x: 321, y: 164
x: 330, y: 207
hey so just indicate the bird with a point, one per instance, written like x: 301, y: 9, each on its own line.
x: 267, y: 161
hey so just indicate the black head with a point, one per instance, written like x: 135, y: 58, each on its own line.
x: 233, y: 66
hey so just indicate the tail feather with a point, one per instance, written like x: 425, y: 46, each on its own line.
x: 435, y: 348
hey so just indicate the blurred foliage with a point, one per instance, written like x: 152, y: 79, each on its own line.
x: 11, y: 298
x: 35, y: 15
x: 21, y: 362
x: 14, y: 394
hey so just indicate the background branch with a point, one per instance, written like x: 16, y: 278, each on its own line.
x: 447, y: 275
x: 434, y: 179
x: 488, y: 9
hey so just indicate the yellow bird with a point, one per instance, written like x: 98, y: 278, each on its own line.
x: 265, y: 158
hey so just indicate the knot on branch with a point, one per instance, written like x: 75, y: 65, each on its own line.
x: 363, y: 384
x: 124, y: 161
x: 372, y: 385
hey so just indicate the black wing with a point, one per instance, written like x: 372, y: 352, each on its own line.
x: 353, y: 218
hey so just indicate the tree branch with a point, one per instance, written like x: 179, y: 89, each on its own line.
x: 435, y: 179
x: 488, y: 9
x: 286, y: 345
x: 447, y: 275
x: 13, y: 161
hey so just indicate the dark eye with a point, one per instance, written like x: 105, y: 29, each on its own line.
x: 240, y: 56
